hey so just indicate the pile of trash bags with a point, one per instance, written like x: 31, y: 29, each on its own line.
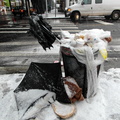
x: 82, y: 54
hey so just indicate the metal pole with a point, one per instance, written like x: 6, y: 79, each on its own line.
x: 67, y: 3
x: 55, y: 8
x: 46, y: 9
x: 28, y: 8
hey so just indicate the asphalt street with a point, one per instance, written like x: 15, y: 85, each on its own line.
x: 18, y: 48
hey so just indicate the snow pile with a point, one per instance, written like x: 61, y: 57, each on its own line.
x: 9, y: 82
x: 105, y: 105
x: 110, y: 83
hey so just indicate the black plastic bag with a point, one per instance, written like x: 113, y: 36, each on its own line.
x: 46, y: 76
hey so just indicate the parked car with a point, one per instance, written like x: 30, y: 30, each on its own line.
x: 18, y: 10
x: 84, y: 8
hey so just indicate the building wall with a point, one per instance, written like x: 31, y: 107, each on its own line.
x: 1, y: 3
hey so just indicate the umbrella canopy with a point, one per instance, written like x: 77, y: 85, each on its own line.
x: 45, y: 76
x: 41, y: 30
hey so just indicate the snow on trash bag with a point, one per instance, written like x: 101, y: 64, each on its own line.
x: 87, y: 50
x: 45, y: 76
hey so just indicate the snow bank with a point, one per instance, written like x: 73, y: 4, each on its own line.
x: 104, y: 106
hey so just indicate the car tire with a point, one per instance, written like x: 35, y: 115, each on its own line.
x: 115, y: 15
x: 75, y: 16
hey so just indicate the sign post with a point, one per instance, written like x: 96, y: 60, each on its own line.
x: 46, y: 9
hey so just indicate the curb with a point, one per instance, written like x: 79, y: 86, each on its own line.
x: 56, y: 17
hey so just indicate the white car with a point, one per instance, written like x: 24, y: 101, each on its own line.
x: 110, y: 9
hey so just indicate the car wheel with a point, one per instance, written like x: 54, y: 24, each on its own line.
x: 115, y: 15
x: 107, y: 17
x: 75, y: 16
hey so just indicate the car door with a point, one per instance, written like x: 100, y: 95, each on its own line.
x: 86, y: 8
x: 98, y: 8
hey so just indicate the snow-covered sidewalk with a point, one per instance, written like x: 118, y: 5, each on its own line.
x: 104, y: 106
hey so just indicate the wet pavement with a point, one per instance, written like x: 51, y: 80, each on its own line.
x: 19, y: 42
x: 9, y: 20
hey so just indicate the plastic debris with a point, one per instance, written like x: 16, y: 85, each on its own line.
x: 64, y: 110
x: 73, y: 91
